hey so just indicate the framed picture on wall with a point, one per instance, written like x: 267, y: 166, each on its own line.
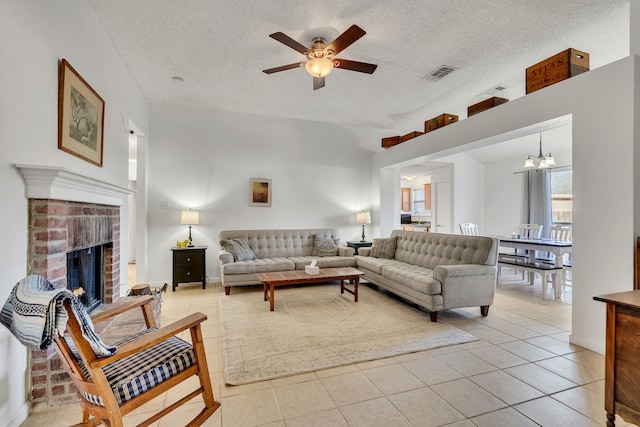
x: 80, y: 116
x: 259, y: 192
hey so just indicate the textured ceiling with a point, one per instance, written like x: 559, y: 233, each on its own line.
x: 220, y: 47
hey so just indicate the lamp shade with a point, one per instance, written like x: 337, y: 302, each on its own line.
x: 363, y: 218
x: 319, y: 67
x: 190, y: 217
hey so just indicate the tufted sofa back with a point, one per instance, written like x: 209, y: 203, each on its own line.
x: 432, y: 249
x: 281, y: 243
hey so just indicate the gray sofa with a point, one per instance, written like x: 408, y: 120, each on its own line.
x: 279, y: 250
x: 436, y: 271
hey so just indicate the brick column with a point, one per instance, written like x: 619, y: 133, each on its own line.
x: 55, y: 228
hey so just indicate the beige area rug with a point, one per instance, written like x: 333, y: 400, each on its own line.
x: 315, y: 327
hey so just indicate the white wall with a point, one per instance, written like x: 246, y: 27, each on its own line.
x: 34, y: 36
x: 468, y: 191
x: 603, y: 106
x: 203, y: 159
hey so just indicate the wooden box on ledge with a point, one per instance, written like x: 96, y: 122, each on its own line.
x: 561, y: 66
x: 410, y: 135
x: 439, y: 121
x: 485, y: 105
x: 390, y: 141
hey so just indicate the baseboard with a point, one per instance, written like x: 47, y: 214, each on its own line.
x: 19, y: 417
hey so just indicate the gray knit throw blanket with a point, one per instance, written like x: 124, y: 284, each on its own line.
x: 34, y: 313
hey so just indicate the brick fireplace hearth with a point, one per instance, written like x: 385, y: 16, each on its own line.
x: 67, y: 212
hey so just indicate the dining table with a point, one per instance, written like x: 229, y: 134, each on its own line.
x: 557, y: 247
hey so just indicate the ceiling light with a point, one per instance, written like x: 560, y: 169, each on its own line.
x: 319, y: 67
x: 408, y: 177
x: 544, y: 161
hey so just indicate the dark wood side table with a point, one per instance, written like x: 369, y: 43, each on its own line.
x: 622, y: 367
x: 189, y: 265
x: 357, y: 245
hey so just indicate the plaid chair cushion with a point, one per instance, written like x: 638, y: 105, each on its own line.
x: 133, y: 375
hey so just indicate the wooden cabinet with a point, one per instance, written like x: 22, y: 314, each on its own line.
x: 405, y: 200
x: 189, y: 265
x: 427, y: 197
x: 622, y: 370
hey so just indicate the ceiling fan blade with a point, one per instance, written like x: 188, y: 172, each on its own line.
x: 285, y: 39
x: 361, y: 67
x: 345, y: 39
x: 283, y: 68
x: 318, y: 83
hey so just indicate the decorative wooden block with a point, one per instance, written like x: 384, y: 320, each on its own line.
x: 561, y: 66
x: 390, y: 141
x: 439, y: 121
x: 410, y: 135
x: 485, y: 105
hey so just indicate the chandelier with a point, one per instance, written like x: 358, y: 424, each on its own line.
x: 544, y: 161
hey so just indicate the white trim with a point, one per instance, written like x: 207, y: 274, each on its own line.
x: 20, y: 416
x: 54, y: 182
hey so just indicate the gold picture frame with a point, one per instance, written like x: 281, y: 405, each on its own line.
x: 259, y: 192
x: 80, y: 116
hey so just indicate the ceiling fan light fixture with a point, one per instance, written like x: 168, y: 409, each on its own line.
x: 319, y: 67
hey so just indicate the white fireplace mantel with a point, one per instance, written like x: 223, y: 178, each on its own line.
x: 54, y: 182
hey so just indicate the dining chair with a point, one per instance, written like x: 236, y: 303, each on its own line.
x: 468, y: 229
x: 530, y: 231
x: 563, y: 232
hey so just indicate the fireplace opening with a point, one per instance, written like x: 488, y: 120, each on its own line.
x: 84, y: 270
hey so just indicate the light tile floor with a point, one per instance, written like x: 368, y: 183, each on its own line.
x: 522, y: 372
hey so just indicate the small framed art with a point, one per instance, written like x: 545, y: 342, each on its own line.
x: 80, y: 116
x: 259, y: 192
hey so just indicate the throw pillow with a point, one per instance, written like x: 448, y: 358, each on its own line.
x: 324, y: 246
x: 384, y: 248
x: 239, y: 248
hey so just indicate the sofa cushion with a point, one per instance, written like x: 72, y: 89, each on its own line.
x: 259, y: 265
x: 419, y: 278
x: 432, y: 249
x: 372, y: 264
x: 324, y: 246
x: 239, y: 248
x: 281, y: 243
x: 324, y: 262
x: 384, y: 248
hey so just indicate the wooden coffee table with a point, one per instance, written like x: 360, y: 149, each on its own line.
x: 296, y: 277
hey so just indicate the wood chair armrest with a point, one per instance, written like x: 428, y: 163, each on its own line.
x: 152, y: 338
x: 119, y: 308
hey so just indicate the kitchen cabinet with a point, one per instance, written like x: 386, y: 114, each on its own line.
x: 427, y: 197
x: 405, y: 200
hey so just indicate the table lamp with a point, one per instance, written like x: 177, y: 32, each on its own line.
x: 190, y: 218
x: 363, y: 218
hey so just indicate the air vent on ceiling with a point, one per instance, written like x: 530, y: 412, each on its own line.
x: 493, y: 91
x: 439, y: 73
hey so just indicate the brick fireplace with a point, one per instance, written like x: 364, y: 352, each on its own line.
x: 68, y: 212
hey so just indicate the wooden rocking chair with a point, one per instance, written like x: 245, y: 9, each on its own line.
x: 144, y: 366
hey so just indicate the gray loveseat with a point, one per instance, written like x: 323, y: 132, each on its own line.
x: 280, y: 250
x: 436, y: 271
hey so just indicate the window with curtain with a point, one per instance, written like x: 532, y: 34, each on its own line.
x: 561, y: 196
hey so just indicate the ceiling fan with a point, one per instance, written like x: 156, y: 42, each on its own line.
x: 321, y: 56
